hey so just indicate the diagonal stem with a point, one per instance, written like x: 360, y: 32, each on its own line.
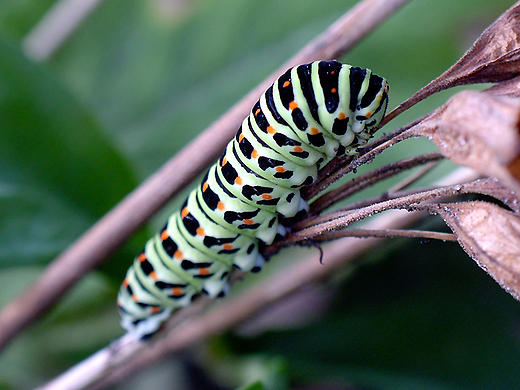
x: 363, y: 181
x: 310, y: 228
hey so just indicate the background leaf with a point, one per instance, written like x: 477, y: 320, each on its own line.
x: 58, y: 171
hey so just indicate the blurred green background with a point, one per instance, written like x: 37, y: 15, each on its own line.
x: 134, y: 84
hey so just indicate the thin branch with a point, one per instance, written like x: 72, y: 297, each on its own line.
x: 101, y: 364
x: 110, y: 232
x: 339, y: 219
x: 408, y: 181
x: 385, y: 233
x: 480, y: 186
x: 58, y: 24
x: 363, y: 181
x: 383, y: 197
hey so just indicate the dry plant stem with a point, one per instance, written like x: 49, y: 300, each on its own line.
x: 480, y: 186
x: 230, y: 312
x: 413, y: 178
x: 131, y: 213
x: 363, y: 181
x: 312, y: 227
x: 119, y: 352
x: 380, y: 198
x: 425, y: 92
x: 57, y: 25
x: 386, y: 233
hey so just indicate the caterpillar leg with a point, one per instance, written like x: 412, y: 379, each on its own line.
x: 303, y: 205
x: 259, y: 263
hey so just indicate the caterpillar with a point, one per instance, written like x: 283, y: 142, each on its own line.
x: 311, y: 113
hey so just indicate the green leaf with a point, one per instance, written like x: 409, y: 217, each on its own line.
x: 36, y: 223
x: 58, y: 172
x: 18, y: 17
x: 48, y: 136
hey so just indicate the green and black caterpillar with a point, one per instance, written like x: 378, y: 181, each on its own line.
x: 312, y: 113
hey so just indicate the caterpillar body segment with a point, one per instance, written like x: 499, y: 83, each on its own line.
x: 232, y: 213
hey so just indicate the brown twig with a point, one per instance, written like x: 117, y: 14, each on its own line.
x: 408, y: 181
x: 56, y: 27
x: 363, y: 181
x: 482, y: 187
x: 122, y: 221
x: 312, y: 227
x: 385, y: 233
